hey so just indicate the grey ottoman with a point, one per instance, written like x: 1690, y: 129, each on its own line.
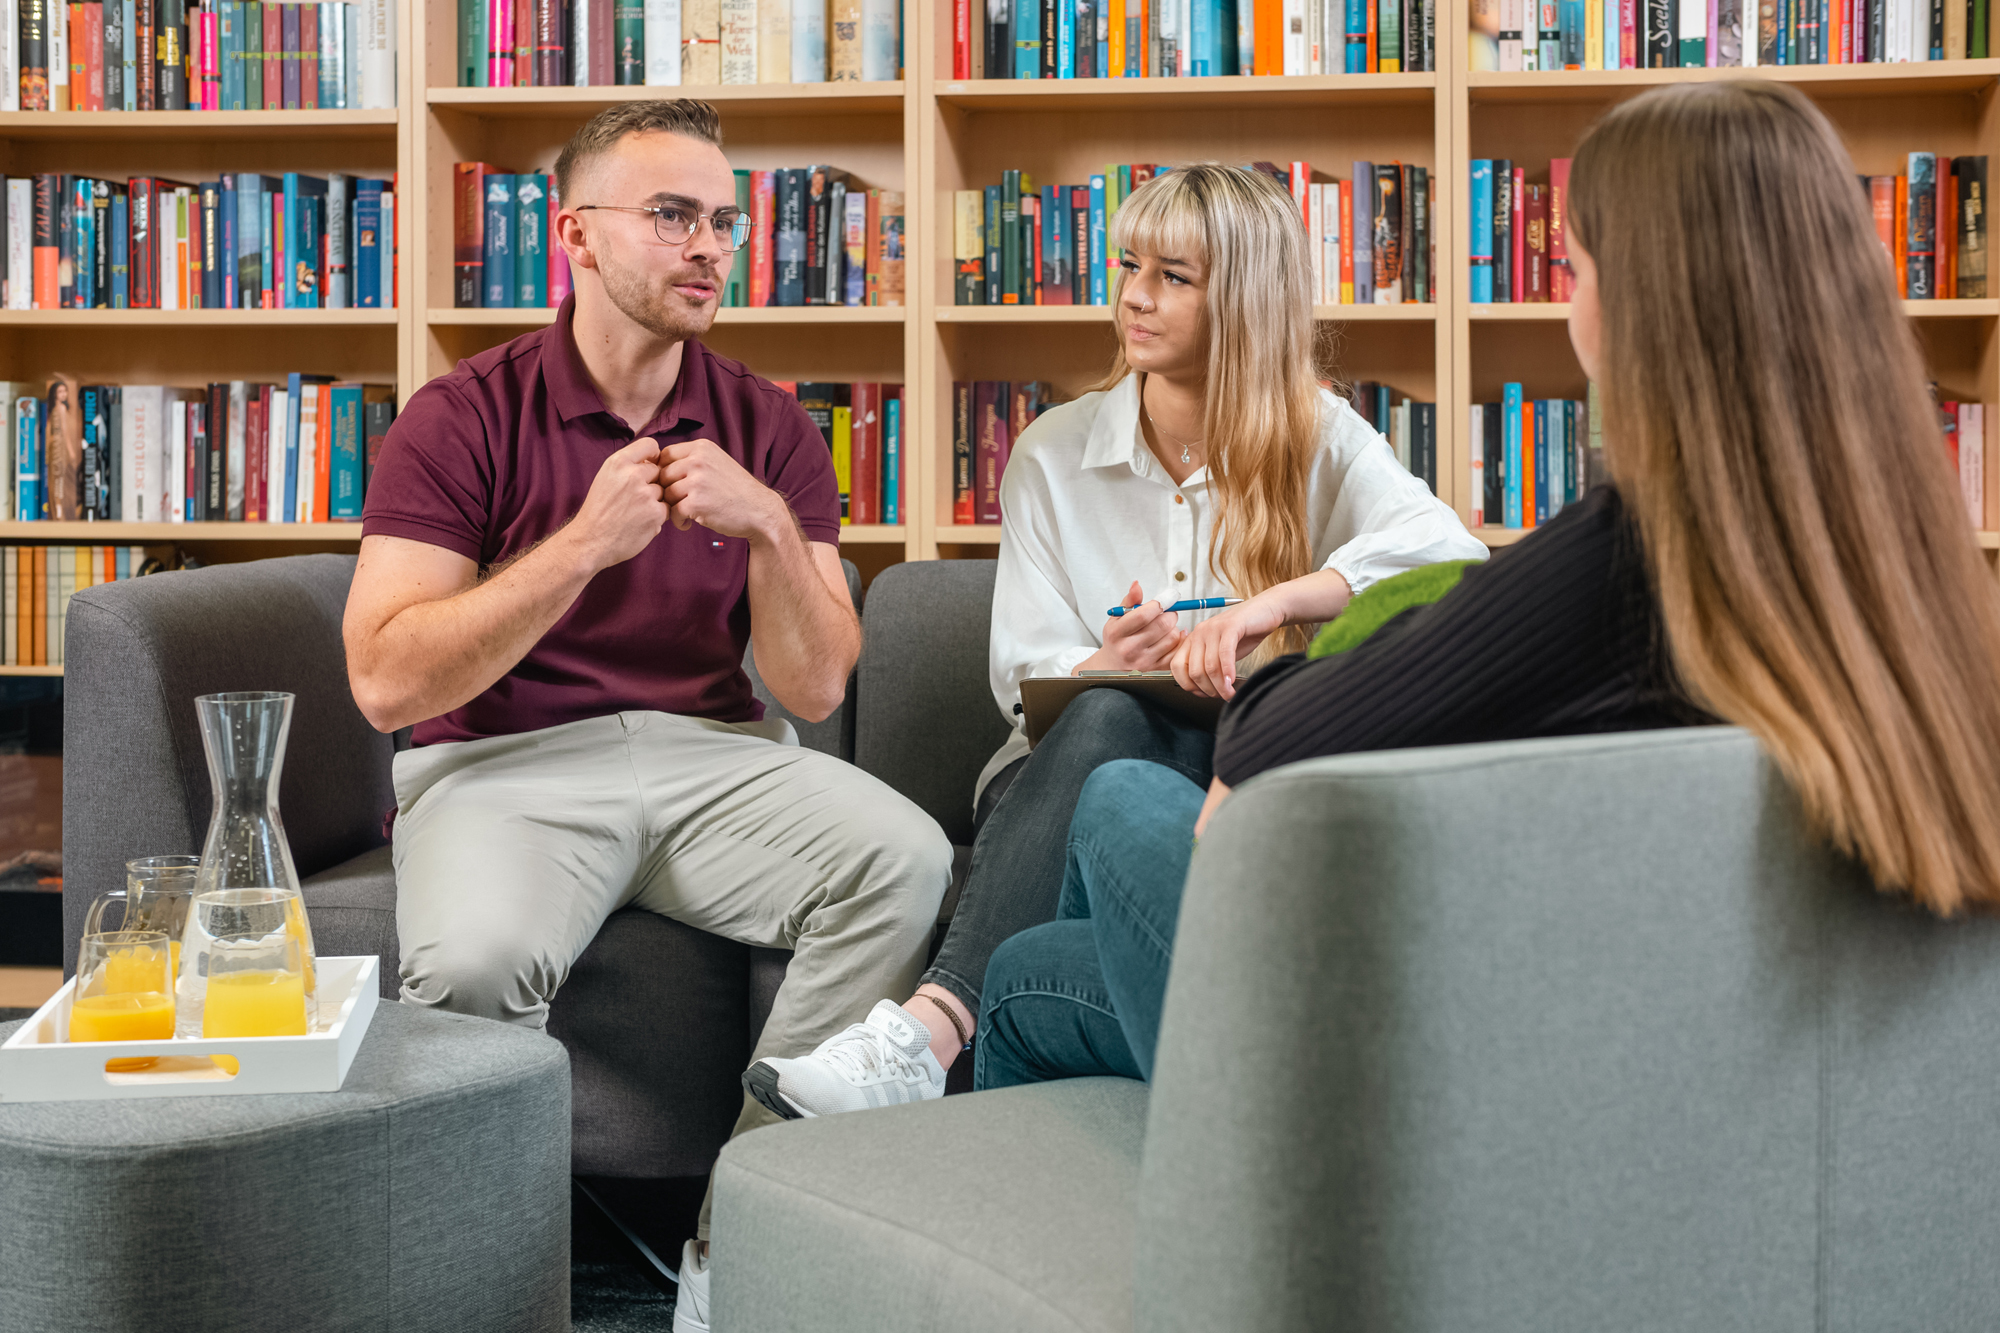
x: 430, y: 1193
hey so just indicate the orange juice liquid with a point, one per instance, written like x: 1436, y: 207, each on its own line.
x: 255, y: 1004
x: 137, y: 970
x: 141, y: 1016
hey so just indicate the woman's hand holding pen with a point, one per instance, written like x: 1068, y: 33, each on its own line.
x: 1142, y: 639
x: 1205, y: 662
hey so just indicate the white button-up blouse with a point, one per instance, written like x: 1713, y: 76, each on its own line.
x: 1086, y: 509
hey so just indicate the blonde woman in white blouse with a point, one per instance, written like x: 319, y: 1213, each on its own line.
x: 1210, y: 464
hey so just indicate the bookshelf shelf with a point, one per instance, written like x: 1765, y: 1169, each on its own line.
x: 874, y: 534
x: 981, y: 534
x: 735, y: 99
x: 168, y: 319
x: 1220, y: 92
x: 31, y: 670
x: 805, y: 315
x: 1537, y: 311
x: 154, y: 126
x: 1928, y: 79
x: 51, y: 533
x: 1096, y: 314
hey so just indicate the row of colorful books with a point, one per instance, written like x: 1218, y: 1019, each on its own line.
x: 36, y: 583
x: 1408, y: 425
x: 987, y: 416
x: 240, y: 242
x: 1682, y: 34
x: 1932, y: 224
x: 1530, y: 457
x: 1014, y: 246
x: 297, y: 452
x: 1134, y: 39
x: 863, y: 426
x: 817, y: 238
x: 504, y: 253
x: 1518, y: 248
x: 665, y: 43
x: 210, y: 55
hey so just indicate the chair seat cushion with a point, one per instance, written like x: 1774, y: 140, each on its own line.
x: 1003, y: 1210
x: 353, y: 912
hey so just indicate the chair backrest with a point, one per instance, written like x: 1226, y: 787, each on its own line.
x: 1586, y: 1033
x: 137, y: 652
x: 925, y: 718
x: 834, y: 735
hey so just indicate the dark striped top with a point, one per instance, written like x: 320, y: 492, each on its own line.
x: 1558, y: 635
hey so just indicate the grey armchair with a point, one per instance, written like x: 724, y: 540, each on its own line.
x: 1571, y: 1034
x: 658, y: 1017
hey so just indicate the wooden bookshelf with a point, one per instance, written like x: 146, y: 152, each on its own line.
x: 928, y: 135
x: 1883, y: 113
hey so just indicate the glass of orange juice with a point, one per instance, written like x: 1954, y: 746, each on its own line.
x: 256, y: 988
x: 124, y: 988
x: 237, y: 916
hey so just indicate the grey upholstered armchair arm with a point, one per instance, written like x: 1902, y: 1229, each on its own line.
x: 138, y: 652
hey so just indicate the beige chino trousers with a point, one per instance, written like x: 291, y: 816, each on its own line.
x: 511, y: 851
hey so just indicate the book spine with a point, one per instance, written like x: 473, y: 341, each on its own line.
x: 531, y: 259
x: 498, y: 254
x: 808, y: 39
x: 774, y: 40
x: 629, y: 23
x: 739, y: 41
x: 892, y: 455
x: 763, y: 239
x: 468, y: 232
x: 891, y: 228
x: 789, y: 284
x: 1971, y: 176
x: 663, y: 49
x: 1921, y: 227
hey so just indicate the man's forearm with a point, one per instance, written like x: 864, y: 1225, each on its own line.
x: 438, y: 655
x: 805, y: 639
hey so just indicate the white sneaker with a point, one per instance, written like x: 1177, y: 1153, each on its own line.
x: 691, y: 1305
x: 885, y: 1061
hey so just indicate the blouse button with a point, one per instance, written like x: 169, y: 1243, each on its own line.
x: 1179, y: 577
x: 1179, y: 501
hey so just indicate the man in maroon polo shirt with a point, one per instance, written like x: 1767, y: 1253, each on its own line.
x: 586, y: 738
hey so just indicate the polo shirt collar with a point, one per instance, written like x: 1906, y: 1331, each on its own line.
x: 1115, y: 439
x: 569, y: 385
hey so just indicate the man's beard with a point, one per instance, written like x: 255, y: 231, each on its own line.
x: 659, y: 310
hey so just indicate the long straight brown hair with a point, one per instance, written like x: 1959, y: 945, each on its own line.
x: 1261, y: 423
x: 1767, y: 422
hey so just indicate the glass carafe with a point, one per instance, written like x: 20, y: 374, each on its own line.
x: 244, y: 737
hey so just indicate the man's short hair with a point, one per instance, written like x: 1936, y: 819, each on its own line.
x: 682, y: 115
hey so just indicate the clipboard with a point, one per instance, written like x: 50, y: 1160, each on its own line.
x: 1043, y: 698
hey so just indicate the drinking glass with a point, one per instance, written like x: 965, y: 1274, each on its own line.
x: 157, y: 892
x: 123, y: 991
x: 238, y: 917
x: 256, y: 988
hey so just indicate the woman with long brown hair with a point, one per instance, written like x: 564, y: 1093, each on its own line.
x: 1209, y: 464
x: 1782, y: 546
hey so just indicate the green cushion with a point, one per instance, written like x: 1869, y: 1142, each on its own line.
x: 1383, y: 602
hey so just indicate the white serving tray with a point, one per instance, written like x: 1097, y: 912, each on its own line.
x: 39, y: 1064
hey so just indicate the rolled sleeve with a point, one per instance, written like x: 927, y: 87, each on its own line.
x: 1403, y: 526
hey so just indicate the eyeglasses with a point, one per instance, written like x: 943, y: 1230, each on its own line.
x: 675, y: 224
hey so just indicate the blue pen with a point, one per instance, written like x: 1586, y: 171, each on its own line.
x: 1190, y: 604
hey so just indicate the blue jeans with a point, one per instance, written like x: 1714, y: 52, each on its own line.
x: 1016, y: 876
x: 1082, y: 994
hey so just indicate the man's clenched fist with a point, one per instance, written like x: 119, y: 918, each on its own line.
x: 705, y: 485
x: 624, y: 510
